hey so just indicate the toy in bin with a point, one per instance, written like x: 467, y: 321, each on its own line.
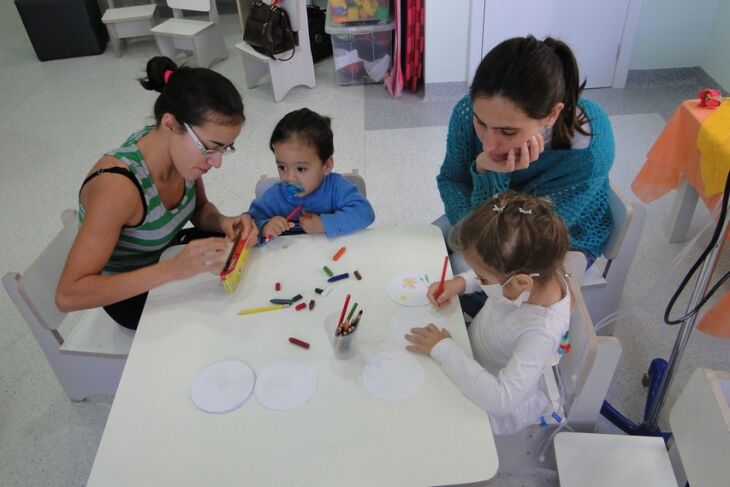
x: 232, y: 271
x: 351, y: 11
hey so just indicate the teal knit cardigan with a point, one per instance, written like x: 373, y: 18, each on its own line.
x: 576, y: 180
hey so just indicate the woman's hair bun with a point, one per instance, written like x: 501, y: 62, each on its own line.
x: 156, y: 68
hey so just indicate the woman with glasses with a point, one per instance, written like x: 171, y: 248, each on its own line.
x: 137, y: 198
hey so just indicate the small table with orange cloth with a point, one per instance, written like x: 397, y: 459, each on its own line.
x: 675, y: 161
x: 692, y: 155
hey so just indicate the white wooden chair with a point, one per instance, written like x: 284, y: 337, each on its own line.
x: 586, y: 372
x: 128, y: 22
x: 602, y: 289
x: 201, y: 37
x: 89, y: 360
x: 265, y: 182
x: 285, y: 75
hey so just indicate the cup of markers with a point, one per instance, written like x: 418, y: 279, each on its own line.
x: 345, y: 332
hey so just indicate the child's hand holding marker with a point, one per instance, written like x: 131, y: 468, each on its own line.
x: 276, y: 226
x: 452, y: 287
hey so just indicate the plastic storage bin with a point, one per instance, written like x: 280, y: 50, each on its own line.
x: 362, y: 53
x: 351, y: 12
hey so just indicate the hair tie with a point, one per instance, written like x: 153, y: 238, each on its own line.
x: 524, y: 212
x: 166, y: 76
x: 498, y: 209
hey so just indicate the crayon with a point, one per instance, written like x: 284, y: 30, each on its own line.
x: 339, y: 253
x: 262, y: 309
x: 301, y: 306
x: 338, y: 277
x: 299, y: 342
x: 358, y: 275
x: 277, y: 286
x: 296, y: 298
x: 327, y: 271
x: 311, y: 304
x: 280, y: 301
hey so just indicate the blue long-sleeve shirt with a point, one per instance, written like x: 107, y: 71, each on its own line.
x: 337, y: 201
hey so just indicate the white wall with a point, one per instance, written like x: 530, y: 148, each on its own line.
x: 716, y: 58
x: 673, y: 33
x: 447, y: 40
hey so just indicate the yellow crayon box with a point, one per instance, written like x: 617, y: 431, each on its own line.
x: 233, y: 270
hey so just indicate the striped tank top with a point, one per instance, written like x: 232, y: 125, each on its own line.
x: 142, y: 245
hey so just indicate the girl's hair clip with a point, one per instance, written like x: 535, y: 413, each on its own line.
x: 498, y: 209
x: 524, y: 212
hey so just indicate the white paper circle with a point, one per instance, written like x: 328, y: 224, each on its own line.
x: 222, y: 386
x: 409, y: 288
x: 286, y: 385
x: 403, y: 320
x: 393, y: 376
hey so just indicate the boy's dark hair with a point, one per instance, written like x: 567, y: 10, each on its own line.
x: 310, y: 127
x: 192, y: 95
x: 535, y: 75
x: 515, y: 233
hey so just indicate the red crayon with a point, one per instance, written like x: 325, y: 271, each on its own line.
x: 339, y: 253
x: 301, y: 306
x: 277, y: 286
x: 299, y: 342
x: 294, y: 212
x: 443, y: 277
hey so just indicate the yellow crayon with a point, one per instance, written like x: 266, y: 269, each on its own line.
x: 273, y: 307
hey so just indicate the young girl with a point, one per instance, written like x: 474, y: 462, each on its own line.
x: 515, y: 246
x: 302, y: 143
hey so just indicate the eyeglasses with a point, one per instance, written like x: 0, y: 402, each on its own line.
x: 208, y: 152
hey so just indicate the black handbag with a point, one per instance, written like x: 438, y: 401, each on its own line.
x: 319, y: 40
x: 268, y: 30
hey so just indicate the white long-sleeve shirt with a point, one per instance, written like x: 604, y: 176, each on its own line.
x: 512, y: 348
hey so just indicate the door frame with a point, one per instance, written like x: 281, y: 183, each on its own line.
x: 628, y: 36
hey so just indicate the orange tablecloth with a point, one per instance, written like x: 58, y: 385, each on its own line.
x: 675, y: 155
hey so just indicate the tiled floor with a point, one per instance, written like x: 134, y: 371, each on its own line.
x: 58, y: 117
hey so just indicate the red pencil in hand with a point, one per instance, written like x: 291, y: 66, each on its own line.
x: 294, y: 212
x: 443, y: 277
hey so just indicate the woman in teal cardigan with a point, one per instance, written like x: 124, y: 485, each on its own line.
x: 524, y: 127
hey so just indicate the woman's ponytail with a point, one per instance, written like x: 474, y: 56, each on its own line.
x: 569, y: 121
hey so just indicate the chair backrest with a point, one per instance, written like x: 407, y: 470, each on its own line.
x: 265, y: 182
x: 36, y: 288
x: 621, y: 214
x: 587, y: 369
x: 195, y: 5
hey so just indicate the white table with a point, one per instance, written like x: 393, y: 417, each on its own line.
x: 343, y: 436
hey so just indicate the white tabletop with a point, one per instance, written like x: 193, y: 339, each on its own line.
x: 343, y: 436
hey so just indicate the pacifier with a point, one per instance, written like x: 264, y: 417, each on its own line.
x: 293, y: 189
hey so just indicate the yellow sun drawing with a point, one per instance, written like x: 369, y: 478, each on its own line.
x: 409, y: 282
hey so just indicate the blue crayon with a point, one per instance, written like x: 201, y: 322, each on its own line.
x: 339, y: 277
x: 280, y: 301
